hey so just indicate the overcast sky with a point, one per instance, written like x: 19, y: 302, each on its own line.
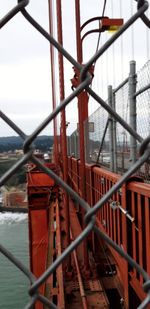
x: 25, y: 92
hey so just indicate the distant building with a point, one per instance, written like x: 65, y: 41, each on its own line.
x: 15, y: 199
x: 18, y: 152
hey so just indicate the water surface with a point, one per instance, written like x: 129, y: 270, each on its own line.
x: 13, y: 283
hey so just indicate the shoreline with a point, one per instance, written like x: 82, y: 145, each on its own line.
x: 13, y: 209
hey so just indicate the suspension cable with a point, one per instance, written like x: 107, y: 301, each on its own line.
x: 132, y: 33
x: 98, y: 42
x: 99, y: 36
x: 113, y: 50
x: 147, y: 40
x: 122, y: 64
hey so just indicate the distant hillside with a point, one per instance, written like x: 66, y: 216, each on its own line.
x: 15, y: 142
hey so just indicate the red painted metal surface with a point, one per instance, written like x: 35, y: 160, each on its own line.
x: 61, y: 298
x: 92, y: 294
x: 82, y: 117
x: 47, y: 234
x: 104, y: 21
x: 40, y: 188
x: 132, y: 235
x: 63, y: 116
x: 53, y: 77
x: 139, y: 194
x: 82, y: 100
x: 81, y: 286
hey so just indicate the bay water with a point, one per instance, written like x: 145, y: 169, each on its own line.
x: 13, y: 283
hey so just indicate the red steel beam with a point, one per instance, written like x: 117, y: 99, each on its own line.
x: 82, y: 100
x: 52, y: 58
x: 81, y: 287
x: 63, y: 116
x: 61, y: 297
x: 140, y: 232
x: 134, y: 232
x: 78, y: 31
x: 125, y: 243
x: 82, y: 116
x: 138, y: 187
x: 76, y: 231
x: 134, y: 282
x: 147, y: 228
x: 38, y: 216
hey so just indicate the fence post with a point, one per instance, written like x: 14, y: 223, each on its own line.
x: 114, y: 134
x: 87, y: 141
x: 75, y: 144
x: 68, y: 145
x: 72, y: 145
x: 132, y: 109
x: 111, y: 144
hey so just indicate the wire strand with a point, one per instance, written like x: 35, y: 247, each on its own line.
x: 132, y: 33
x: 99, y: 36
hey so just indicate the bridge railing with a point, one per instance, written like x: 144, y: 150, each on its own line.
x: 125, y: 217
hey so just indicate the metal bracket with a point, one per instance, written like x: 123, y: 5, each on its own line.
x: 115, y: 205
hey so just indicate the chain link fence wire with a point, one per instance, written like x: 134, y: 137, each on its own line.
x: 143, y: 102
x: 97, y: 127
x: 143, y: 111
x: 28, y: 156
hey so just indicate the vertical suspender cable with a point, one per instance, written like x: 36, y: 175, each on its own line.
x: 113, y: 49
x: 53, y: 76
x: 99, y: 36
x: 147, y: 41
x: 63, y: 115
x: 121, y: 40
x: 122, y: 89
x: 107, y: 75
x: 132, y: 32
x: 148, y: 59
x: 97, y: 47
x: 82, y: 117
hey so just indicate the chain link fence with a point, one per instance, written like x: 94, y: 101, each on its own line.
x: 98, y: 127
x: 34, y: 293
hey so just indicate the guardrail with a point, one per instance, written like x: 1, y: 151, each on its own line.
x: 125, y: 217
